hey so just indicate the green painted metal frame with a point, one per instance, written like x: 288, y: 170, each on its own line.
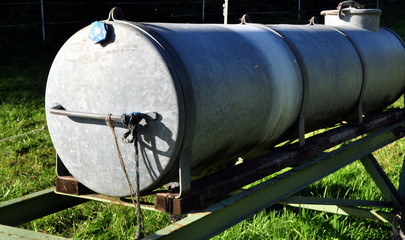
x: 13, y: 233
x: 344, y: 207
x: 227, y: 213
x: 32, y: 206
x: 241, y: 205
x: 107, y: 199
x: 394, y: 198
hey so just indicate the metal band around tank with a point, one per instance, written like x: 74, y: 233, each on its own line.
x: 395, y: 34
x: 305, y: 83
x: 403, y: 44
x: 363, y: 68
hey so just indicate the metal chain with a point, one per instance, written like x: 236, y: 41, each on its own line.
x: 23, y: 134
x: 134, y: 194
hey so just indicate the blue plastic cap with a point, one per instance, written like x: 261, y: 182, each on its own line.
x: 97, y: 32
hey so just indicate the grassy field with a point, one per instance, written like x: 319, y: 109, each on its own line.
x: 27, y: 165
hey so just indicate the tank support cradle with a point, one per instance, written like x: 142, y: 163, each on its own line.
x: 210, y: 204
x: 184, y: 172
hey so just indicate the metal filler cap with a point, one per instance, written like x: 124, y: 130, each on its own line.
x: 353, y: 15
x: 97, y: 32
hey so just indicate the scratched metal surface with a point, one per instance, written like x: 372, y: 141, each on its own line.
x: 127, y: 74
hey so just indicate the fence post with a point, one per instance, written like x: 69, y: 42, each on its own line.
x: 226, y: 12
x: 43, y: 20
x: 299, y: 10
x: 203, y: 11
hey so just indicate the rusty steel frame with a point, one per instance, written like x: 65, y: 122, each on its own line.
x: 244, y: 203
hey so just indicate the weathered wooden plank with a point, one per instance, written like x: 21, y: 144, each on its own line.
x: 70, y: 185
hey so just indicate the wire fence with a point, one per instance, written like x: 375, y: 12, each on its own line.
x: 24, y: 134
x: 47, y: 13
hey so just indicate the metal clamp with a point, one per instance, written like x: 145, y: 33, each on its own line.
x: 184, y: 172
x: 116, y: 13
x: 245, y: 19
x: 312, y: 21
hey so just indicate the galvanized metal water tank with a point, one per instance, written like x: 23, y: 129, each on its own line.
x: 220, y: 91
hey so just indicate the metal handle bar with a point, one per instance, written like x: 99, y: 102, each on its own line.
x: 59, y: 110
x: 349, y: 3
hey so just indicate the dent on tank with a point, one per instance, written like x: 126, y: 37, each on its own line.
x: 184, y: 97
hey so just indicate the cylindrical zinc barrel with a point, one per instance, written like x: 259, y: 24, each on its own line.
x: 220, y: 91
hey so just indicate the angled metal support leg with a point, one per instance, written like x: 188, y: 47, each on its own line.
x: 401, y: 190
x: 14, y: 233
x: 301, y: 129
x: 382, y: 181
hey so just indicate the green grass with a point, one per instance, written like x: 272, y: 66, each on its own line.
x: 290, y: 223
x: 27, y: 165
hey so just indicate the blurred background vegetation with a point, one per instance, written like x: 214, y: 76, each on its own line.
x: 21, y: 22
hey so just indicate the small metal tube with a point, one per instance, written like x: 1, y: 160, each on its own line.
x: 42, y: 20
